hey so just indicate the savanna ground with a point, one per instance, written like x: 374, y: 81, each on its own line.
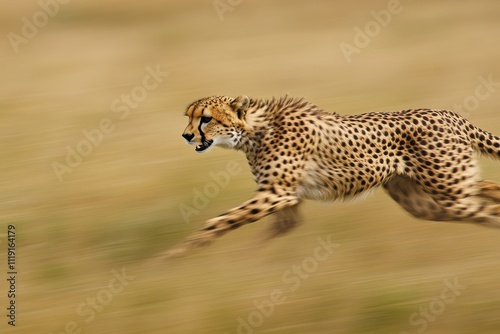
x: 120, y: 205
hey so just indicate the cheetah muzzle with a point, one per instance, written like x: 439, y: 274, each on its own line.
x: 205, y: 145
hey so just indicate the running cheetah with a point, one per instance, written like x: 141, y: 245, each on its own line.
x: 423, y: 158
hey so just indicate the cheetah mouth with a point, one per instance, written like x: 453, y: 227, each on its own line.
x: 205, y: 145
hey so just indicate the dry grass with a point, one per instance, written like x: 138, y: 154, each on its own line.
x: 120, y: 206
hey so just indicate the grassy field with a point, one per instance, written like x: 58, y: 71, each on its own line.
x: 112, y: 80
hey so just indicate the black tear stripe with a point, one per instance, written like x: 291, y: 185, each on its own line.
x: 203, y: 139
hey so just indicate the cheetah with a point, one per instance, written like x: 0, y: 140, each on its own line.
x: 423, y: 158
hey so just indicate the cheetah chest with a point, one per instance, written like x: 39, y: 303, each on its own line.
x: 319, y: 183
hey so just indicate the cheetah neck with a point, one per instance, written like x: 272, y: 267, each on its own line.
x: 256, y: 123
x: 261, y: 117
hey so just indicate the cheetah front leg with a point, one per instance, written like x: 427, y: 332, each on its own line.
x: 261, y: 205
x: 286, y: 220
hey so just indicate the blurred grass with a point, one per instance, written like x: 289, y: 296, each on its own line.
x: 121, y: 205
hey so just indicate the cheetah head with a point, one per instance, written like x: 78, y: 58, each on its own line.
x: 215, y: 121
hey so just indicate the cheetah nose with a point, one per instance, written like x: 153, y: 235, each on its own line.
x: 188, y: 136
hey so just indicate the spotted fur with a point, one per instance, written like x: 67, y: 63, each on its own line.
x: 425, y: 159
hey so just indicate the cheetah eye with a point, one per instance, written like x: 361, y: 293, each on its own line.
x: 206, y: 119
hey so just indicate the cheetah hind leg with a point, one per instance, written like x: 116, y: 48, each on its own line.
x: 490, y: 190
x: 490, y: 215
x: 421, y: 205
x: 414, y: 200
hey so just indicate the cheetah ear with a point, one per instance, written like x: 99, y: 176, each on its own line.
x: 240, y: 105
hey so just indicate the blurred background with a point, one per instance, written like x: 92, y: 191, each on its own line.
x: 97, y: 179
